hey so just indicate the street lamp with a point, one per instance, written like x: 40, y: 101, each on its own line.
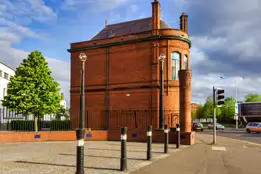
x: 81, y: 131
x: 161, y: 58
x: 236, y: 101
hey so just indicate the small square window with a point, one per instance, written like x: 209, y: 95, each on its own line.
x: 6, y: 76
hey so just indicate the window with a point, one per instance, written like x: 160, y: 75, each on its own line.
x: 175, y: 56
x: 185, y: 62
x: 1, y: 72
x: 4, y: 92
x: 6, y: 76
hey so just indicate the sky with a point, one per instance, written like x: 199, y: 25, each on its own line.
x: 225, y: 36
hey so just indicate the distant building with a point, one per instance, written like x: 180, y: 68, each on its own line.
x: 5, y: 75
x: 63, y: 102
x: 194, y: 107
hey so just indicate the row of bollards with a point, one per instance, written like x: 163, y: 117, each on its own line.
x: 123, y: 164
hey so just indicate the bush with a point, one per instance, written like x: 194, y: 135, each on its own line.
x: 57, y: 125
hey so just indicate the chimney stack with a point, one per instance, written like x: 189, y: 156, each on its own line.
x: 184, y: 22
x: 106, y: 23
x: 155, y: 17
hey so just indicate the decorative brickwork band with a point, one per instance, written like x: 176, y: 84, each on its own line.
x: 185, y: 79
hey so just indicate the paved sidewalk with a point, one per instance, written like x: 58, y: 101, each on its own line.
x: 60, y: 157
x: 227, y: 157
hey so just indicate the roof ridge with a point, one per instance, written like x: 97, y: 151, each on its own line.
x: 7, y: 66
x: 129, y: 21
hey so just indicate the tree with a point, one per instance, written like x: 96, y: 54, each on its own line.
x: 62, y: 112
x: 253, y: 98
x: 228, y: 109
x: 32, y: 90
x: 196, y: 114
x: 208, y: 109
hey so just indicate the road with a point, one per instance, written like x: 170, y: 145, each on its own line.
x: 239, y: 134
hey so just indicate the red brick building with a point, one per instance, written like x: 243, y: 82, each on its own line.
x: 123, y: 72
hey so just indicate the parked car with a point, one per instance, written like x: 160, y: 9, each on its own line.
x: 253, y: 127
x: 197, y: 126
x: 218, y: 126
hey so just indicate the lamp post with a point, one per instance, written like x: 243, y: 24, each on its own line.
x: 161, y: 58
x: 81, y: 131
x: 236, y: 101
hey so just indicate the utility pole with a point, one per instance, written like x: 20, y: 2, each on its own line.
x: 214, y: 118
x: 236, y: 113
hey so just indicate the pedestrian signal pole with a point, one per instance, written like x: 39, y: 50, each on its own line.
x: 218, y: 100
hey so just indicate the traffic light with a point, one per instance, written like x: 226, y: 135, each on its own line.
x: 220, y: 97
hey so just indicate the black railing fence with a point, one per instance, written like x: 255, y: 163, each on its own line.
x: 95, y: 120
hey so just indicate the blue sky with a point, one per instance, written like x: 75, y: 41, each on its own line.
x: 73, y: 23
x: 224, y: 37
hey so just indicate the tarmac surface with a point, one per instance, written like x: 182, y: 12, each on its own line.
x: 228, y: 156
x: 239, y: 134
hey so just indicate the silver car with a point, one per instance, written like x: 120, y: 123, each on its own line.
x: 218, y: 126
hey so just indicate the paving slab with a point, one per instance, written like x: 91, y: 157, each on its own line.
x: 60, y: 157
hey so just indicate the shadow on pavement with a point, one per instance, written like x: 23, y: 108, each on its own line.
x: 64, y: 165
x: 119, y: 150
x: 96, y: 156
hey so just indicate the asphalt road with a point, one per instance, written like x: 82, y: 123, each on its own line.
x: 239, y: 134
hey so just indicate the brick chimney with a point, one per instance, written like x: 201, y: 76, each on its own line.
x: 155, y: 17
x: 184, y: 22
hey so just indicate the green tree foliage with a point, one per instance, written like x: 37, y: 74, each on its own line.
x: 198, y: 113
x: 228, y: 109
x: 226, y: 112
x: 253, y: 98
x: 62, y: 112
x: 209, y: 108
x: 33, y: 91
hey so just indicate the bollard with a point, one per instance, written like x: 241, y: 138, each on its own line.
x: 123, y: 149
x: 166, y: 144
x: 178, y: 135
x: 80, y: 151
x: 149, y: 142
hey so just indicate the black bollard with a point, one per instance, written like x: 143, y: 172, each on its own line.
x: 178, y: 135
x: 149, y: 142
x: 123, y: 149
x: 166, y: 144
x: 80, y: 151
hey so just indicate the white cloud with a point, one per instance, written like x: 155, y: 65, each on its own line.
x: 13, y: 29
x: 92, y: 5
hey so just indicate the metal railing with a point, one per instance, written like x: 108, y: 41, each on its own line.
x: 95, y: 120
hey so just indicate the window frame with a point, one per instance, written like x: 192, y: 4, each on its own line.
x: 6, y: 76
x: 185, y: 61
x: 175, y: 65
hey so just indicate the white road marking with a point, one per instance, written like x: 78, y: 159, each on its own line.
x: 218, y: 148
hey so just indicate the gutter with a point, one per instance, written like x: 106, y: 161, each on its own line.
x: 151, y: 38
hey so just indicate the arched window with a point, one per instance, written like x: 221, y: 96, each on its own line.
x: 185, y: 62
x: 175, y: 57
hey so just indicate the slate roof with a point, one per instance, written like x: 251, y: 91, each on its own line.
x: 126, y: 28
